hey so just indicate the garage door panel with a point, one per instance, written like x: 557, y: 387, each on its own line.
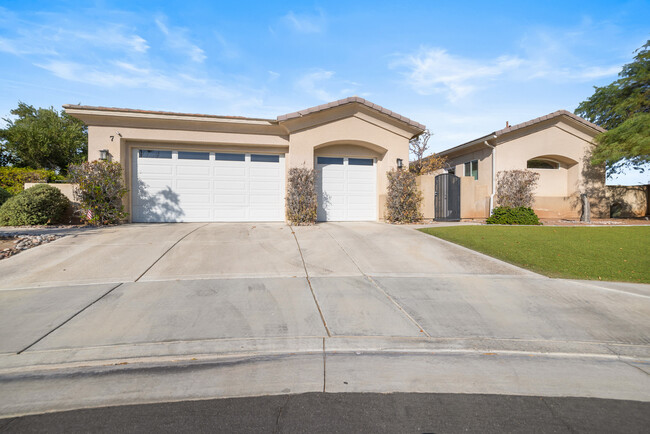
x: 229, y: 200
x: 270, y: 187
x: 192, y: 184
x: 204, y: 186
x: 194, y: 170
x: 346, y: 189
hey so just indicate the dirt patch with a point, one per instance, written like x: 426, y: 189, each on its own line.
x: 6, y: 242
x: 597, y: 222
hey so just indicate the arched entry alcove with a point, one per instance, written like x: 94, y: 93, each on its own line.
x: 346, y: 180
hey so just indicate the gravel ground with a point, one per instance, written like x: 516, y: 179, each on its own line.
x: 14, y: 245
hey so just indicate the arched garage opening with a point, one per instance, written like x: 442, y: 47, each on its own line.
x: 346, y: 180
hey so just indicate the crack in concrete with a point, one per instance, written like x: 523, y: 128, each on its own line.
x: 280, y: 411
x: 313, y: 293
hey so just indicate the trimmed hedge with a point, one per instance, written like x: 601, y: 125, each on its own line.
x: 521, y: 215
x: 4, y: 195
x: 39, y: 205
x: 13, y: 179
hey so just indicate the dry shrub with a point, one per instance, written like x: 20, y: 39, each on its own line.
x: 404, y: 197
x: 302, y: 201
x: 515, y: 188
x: 100, y: 190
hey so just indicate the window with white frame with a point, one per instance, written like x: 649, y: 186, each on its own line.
x: 471, y: 169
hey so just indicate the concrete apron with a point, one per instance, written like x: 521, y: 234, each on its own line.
x: 359, y: 308
x: 56, y: 380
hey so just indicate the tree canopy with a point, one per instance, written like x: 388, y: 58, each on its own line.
x: 623, y: 108
x: 42, y: 138
x: 419, y: 146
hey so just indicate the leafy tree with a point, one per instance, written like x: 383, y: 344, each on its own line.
x: 623, y: 108
x: 419, y: 146
x: 43, y: 139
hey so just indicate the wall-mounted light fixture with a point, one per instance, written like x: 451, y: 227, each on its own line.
x: 400, y: 163
x: 103, y: 154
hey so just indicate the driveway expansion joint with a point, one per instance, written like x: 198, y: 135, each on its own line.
x: 374, y: 283
x: 304, y: 265
x: 167, y: 251
x: 69, y: 319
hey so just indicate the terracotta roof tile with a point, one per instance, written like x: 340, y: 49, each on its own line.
x: 516, y: 127
x: 349, y: 100
x: 547, y: 117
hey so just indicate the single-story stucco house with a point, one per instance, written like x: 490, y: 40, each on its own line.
x: 557, y: 146
x: 189, y: 167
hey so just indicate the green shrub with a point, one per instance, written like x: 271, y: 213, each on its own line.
x: 4, y: 195
x: 302, y: 201
x: 13, y: 179
x: 39, y: 205
x: 404, y: 197
x: 100, y: 190
x: 521, y: 215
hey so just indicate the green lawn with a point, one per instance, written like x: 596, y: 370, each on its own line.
x: 605, y: 253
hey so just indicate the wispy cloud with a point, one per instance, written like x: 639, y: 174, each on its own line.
x: 324, y: 86
x: 126, y: 75
x: 313, y: 84
x: 306, y: 23
x: 178, y: 40
x: 434, y: 70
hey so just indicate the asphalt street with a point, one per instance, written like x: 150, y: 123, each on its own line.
x: 352, y: 412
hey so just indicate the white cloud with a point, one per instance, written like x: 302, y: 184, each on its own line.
x: 126, y: 75
x: 312, y: 84
x: 177, y: 39
x: 434, y: 70
x: 323, y: 85
x: 306, y: 23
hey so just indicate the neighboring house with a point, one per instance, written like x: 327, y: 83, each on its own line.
x: 188, y: 167
x: 557, y: 146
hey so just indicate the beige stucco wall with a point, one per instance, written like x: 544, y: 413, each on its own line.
x: 427, y: 186
x: 558, y: 191
x: 633, y: 199
x: 66, y: 189
x: 474, y: 198
x: 557, y: 194
x: 481, y: 153
x: 350, y: 130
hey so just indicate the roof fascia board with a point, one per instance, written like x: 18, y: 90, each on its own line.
x: 91, y: 112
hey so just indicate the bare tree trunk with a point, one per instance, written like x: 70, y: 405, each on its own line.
x: 586, y: 209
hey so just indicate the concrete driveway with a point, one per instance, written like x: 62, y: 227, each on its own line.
x: 325, y: 307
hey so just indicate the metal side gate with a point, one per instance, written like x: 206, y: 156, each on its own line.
x: 447, y: 198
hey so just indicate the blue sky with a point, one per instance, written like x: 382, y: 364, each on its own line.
x: 461, y: 68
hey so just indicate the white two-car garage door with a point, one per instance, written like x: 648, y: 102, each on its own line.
x: 347, y: 189
x: 183, y: 186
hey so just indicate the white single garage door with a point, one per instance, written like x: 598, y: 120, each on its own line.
x: 183, y: 186
x: 347, y: 189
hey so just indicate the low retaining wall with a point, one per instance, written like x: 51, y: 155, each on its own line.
x: 628, y: 201
x: 66, y: 189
